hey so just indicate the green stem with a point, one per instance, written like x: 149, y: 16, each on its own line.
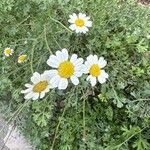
x: 46, y: 40
x: 61, y: 24
x: 57, y: 128
x: 84, y: 131
x: 60, y: 119
x: 31, y: 62
x: 118, y: 146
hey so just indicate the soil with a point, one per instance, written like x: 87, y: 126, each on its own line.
x: 144, y: 2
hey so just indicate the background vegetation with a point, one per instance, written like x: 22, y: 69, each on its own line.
x: 112, y: 116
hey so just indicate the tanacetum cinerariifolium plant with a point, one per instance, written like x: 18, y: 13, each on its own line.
x: 75, y: 74
x: 67, y: 67
x: 64, y: 68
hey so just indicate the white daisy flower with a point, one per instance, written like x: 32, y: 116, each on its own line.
x: 22, y: 58
x: 8, y: 51
x: 40, y: 86
x: 93, y: 66
x: 79, y: 23
x: 65, y: 69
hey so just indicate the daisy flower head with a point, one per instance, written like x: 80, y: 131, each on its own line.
x: 8, y: 51
x: 64, y: 68
x: 41, y: 85
x: 22, y: 58
x: 80, y: 23
x: 94, y: 67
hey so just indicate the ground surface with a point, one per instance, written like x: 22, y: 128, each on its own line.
x: 145, y: 2
x: 3, y: 134
x: 15, y: 140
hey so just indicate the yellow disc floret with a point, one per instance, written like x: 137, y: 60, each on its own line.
x: 22, y: 58
x: 8, y: 51
x: 39, y: 87
x: 79, y: 22
x: 66, y: 69
x: 95, y: 70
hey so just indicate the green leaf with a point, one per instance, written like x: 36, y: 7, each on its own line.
x: 141, y: 144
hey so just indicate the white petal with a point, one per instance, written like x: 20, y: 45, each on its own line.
x: 65, y: 54
x: 29, y: 95
x: 59, y: 55
x: 73, y: 16
x: 81, y: 29
x: 63, y: 83
x: 50, y: 86
x: 88, y: 24
x: 44, y: 77
x: 72, y: 27
x: 85, y: 30
x: 47, y: 89
x: 89, y: 77
x: 55, y: 81
x: 36, y: 96
x: 95, y: 59
x: 6, y: 55
x: 78, y: 73
x: 26, y: 91
x: 77, y: 29
x: 79, y: 68
x: 90, y: 59
x: 71, y: 20
x: 102, y: 77
x: 28, y: 85
x: 85, y: 69
x: 42, y: 94
x: 101, y: 62
x: 79, y: 61
x: 93, y: 81
x: 87, y: 66
x: 36, y: 77
x: 81, y: 15
x: 75, y: 80
x: 53, y: 61
x: 73, y: 58
x: 50, y: 73
x: 104, y: 74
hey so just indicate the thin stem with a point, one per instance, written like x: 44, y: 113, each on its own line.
x: 114, y: 91
x: 56, y: 42
x: 59, y: 121
x: 23, y: 21
x: 61, y: 24
x: 138, y: 100
x: 46, y: 40
x: 31, y: 62
x: 118, y: 146
x: 84, y: 131
x: 57, y: 128
x: 84, y: 97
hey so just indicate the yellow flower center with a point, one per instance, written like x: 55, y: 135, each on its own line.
x: 66, y: 69
x: 95, y: 70
x: 22, y: 58
x: 39, y: 87
x: 8, y: 51
x: 79, y: 22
